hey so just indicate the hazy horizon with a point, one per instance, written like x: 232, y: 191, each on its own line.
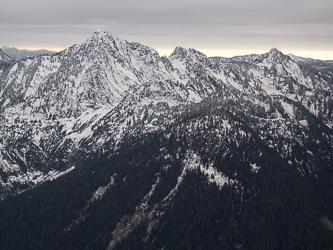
x: 218, y: 53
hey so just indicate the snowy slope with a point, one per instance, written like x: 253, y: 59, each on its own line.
x: 56, y: 109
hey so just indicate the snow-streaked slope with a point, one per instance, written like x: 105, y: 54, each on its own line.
x: 58, y: 108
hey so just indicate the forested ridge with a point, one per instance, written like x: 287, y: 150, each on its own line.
x: 272, y: 208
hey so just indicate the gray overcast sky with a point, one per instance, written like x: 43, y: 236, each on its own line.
x: 215, y: 27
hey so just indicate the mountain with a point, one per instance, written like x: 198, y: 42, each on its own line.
x: 322, y: 65
x: 17, y: 54
x: 5, y: 61
x: 302, y: 60
x: 107, y: 145
x: 319, y: 64
x: 4, y: 57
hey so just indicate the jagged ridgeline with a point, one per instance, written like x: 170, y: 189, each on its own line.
x: 107, y: 145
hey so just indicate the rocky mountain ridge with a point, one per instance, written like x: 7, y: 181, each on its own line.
x: 17, y: 54
x: 95, y: 92
x: 4, y: 57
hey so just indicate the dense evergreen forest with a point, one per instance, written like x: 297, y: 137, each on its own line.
x: 273, y: 208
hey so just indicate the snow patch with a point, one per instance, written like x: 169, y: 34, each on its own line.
x: 193, y: 161
x: 254, y: 168
x: 128, y: 223
x: 304, y: 123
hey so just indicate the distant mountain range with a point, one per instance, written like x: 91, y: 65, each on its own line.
x: 4, y: 57
x: 107, y: 145
x: 17, y: 54
x: 251, y: 58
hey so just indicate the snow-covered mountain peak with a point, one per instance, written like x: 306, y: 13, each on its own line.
x: 274, y: 50
x: 281, y: 74
x: 274, y: 55
x: 100, y: 32
x: 4, y: 57
x: 179, y: 51
x: 196, y: 54
x: 99, y: 37
x: 102, y: 35
x: 101, y: 44
x: 272, y: 58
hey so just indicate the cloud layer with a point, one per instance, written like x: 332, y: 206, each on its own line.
x: 202, y: 24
